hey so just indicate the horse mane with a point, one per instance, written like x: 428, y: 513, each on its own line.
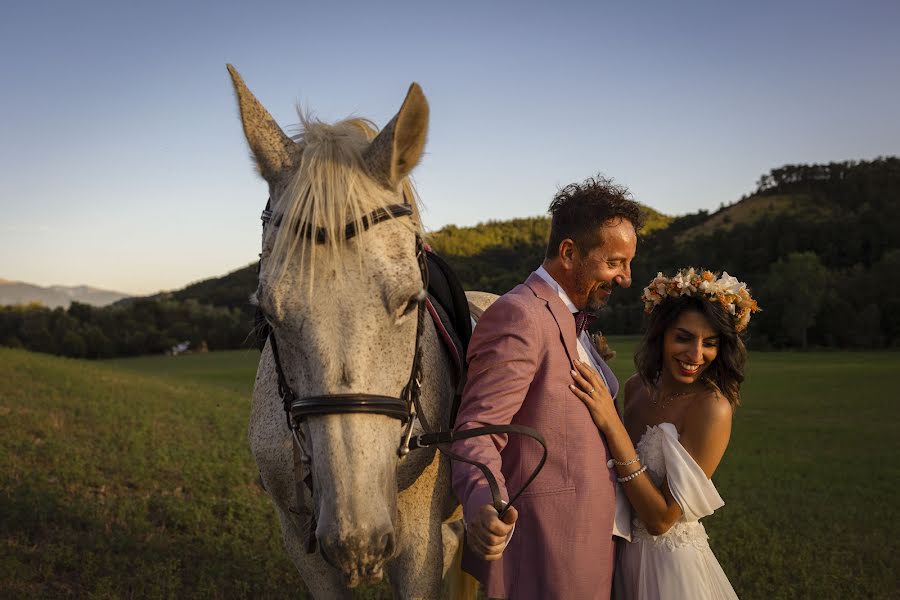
x: 331, y: 188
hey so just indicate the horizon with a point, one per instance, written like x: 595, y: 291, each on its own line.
x: 126, y: 169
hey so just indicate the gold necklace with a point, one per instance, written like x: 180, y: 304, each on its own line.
x: 662, y: 403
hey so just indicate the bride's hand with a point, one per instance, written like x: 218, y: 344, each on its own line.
x: 590, y: 389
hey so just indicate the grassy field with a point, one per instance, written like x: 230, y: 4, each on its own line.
x: 132, y: 479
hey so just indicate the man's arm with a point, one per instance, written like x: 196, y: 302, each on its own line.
x: 503, y: 359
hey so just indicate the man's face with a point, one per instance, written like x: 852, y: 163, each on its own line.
x: 596, y: 272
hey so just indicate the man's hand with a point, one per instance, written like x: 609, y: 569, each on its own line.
x: 487, y: 534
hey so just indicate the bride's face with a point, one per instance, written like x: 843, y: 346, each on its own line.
x: 690, y: 345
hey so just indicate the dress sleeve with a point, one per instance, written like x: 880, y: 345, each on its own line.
x: 691, y: 488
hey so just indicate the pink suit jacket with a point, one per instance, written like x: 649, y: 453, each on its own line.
x: 519, y: 361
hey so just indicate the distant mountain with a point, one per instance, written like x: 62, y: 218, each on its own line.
x: 17, y: 292
x: 230, y: 291
x: 752, y: 209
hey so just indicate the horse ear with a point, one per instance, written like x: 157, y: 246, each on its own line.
x: 273, y: 150
x: 398, y: 147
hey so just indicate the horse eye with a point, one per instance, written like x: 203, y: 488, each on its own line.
x: 411, y: 305
x: 261, y: 315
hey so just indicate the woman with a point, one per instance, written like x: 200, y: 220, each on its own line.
x: 678, y: 410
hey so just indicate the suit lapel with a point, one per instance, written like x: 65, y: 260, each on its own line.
x: 561, y: 313
x: 607, y: 372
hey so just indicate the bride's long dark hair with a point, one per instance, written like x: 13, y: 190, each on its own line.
x: 725, y: 373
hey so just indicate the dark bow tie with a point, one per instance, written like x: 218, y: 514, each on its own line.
x: 583, y: 320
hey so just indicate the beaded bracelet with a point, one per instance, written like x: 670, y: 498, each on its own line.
x: 632, y: 475
x: 613, y: 462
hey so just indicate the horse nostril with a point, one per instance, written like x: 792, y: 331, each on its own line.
x: 388, y: 545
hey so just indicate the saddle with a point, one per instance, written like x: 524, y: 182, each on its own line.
x: 449, y: 309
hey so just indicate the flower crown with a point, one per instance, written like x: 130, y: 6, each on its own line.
x: 732, y: 294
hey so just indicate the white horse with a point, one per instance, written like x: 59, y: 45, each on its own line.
x: 344, y: 312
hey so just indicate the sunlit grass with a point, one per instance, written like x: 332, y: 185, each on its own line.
x: 133, y: 478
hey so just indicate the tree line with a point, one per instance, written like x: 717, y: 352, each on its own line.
x: 822, y: 261
x: 143, y: 326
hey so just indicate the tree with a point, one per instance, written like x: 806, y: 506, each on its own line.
x: 797, y: 285
x: 73, y: 345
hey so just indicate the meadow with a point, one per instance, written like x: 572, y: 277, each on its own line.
x: 132, y: 478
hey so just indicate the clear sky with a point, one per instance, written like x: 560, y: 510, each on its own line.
x: 124, y: 165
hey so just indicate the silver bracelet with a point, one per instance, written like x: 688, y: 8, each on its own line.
x: 613, y: 462
x: 632, y: 475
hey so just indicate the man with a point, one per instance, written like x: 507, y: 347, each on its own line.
x: 520, y: 358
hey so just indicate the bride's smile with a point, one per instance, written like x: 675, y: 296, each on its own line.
x: 691, y: 344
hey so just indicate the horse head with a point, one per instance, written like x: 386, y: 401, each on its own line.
x: 343, y: 308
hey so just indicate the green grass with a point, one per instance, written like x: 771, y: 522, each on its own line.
x: 133, y: 479
x: 234, y: 370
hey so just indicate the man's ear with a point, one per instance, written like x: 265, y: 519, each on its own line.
x: 567, y: 253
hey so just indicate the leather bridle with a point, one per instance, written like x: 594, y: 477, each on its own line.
x: 406, y: 407
x: 402, y: 407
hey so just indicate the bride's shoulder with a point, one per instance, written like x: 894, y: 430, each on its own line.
x: 709, y: 409
x: 707, y: 429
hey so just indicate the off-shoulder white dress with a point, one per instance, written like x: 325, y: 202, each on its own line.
x: 679, y: 564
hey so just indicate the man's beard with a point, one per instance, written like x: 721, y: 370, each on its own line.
x: 596, y: 300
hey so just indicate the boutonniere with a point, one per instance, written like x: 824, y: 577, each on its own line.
x: 602, y: 346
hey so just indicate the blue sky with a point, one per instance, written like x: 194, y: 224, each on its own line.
x: 124, y: 165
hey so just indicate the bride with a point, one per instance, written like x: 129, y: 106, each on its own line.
x: 677, y: 421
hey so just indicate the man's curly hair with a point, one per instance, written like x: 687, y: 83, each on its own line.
x: 579, y: 209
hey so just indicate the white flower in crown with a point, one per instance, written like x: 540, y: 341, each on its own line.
x: 730, y: 285
x: 682, y: 281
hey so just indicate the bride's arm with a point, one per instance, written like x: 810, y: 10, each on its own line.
x: 706, y: 431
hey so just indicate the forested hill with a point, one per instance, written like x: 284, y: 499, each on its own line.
x: 818, y: 245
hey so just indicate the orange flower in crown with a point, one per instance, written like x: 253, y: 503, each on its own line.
x: 726, y: 290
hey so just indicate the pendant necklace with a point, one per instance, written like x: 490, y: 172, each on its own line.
x: 662, y: 403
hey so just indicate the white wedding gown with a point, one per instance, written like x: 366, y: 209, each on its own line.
x: 677, y: 565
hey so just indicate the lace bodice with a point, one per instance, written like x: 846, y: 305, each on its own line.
x: 664, y: 456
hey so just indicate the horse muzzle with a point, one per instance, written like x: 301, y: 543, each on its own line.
x: 360, y: 553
